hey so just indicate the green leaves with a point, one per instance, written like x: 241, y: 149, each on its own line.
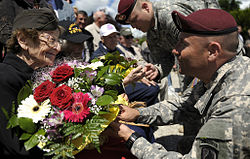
x: 25, y: 136
x: 34, y: 140
x: 24, y: 92
x: 113, y: 79
x: 104, y: 100
x: 13, y: 122
x: 93, y: 129
x: 27, y: 125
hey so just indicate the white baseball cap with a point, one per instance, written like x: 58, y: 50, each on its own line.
x: 107, y: 29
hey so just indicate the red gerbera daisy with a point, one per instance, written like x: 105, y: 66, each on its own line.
x: 79, y: 110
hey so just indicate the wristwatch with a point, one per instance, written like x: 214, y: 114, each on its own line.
x: 134, y: 136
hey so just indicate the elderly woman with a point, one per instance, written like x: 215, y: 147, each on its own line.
x: 33, y: 44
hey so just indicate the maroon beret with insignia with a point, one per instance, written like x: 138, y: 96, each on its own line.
x: 205, y: 22
x: 125, y: 7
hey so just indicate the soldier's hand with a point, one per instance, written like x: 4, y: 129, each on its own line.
x: 128, y: 114
x: 151, y: 71
x: 121, y: 130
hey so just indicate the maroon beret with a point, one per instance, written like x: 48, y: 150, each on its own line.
x: 205, y: 22
x: 125, y: 7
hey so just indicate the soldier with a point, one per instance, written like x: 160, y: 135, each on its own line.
x: 155, y: 19
x: 220, y: 100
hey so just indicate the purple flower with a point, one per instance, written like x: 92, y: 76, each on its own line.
x: 91, y: 74
x: 96, y: 90
x: 52, y: 123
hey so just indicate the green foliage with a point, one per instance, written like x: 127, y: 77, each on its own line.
x: 112, y: 93
x: 5, y: 113
x: 93, y: 129
x: 27, y: 125
x: 241, y: 15
x: 229, y: 5
x: 25, y: 136
x: 33, y: 140
x: 104, y: 100
x: 61, y: 151
x: 242, y: 18
x: 112, y: 79
x: 24, y: 92
x: 13, y: 122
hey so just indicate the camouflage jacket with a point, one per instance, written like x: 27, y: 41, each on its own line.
x: 223, y: 106
x: 164, y: 35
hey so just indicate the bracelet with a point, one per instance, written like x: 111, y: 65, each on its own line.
x: 133, y: 137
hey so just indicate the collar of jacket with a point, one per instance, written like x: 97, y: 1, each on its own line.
x: 219, y: 75
x: 17, y: 63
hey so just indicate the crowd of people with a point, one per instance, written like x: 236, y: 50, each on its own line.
x: 196, y: 39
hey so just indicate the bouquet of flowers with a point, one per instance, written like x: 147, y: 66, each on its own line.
x: 66, y: 107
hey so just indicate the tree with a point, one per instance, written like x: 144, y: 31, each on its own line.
x: 242, y: 18
x: 230, y: 5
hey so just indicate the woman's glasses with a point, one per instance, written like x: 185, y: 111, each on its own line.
x: 49, y: 40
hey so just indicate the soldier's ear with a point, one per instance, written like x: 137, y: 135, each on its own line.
x: 145, y: 6
x: 22, y: 41
x: 214, y: 50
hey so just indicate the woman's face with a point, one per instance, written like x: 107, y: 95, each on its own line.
x: 43, y: 51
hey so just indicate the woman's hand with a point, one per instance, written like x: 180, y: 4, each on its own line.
x: 151, y: 71
x: 135, y: 75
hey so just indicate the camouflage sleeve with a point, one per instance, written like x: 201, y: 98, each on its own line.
x: 225, y: 134
x: 163, y: 38
x: 158, y: 114
x: 173, y: 111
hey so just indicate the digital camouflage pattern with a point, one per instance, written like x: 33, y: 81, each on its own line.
x: 222, y: 106
x: 163, y: 37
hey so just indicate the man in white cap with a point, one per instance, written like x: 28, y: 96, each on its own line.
x: 108, y: 44
x: 108, y: 41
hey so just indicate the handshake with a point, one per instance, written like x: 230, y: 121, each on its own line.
x: 146, y: 74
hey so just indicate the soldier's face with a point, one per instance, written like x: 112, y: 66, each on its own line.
x: 192, y: 55
x: 142, y: 18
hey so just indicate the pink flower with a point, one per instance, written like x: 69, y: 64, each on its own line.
x: 79, y: 110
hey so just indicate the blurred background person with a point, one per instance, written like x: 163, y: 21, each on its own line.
x: 94, y: 28
x: 126, y: 41
x: 63, y: 9
x: 75, y: 11
x: 73, y: 40
x: 81, y: 19
x: 33, y: 44
x: 69, y: 1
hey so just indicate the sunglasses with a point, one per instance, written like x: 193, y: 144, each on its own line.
x: 129, y: 37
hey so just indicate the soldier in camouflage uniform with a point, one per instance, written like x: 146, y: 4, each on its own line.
x: 155, y: 19
x: 221, y: 100
x: 162, y: 34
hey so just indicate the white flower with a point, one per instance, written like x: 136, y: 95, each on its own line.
x: 93, y: 66
x: 29, y: 108
x: 96, y: 90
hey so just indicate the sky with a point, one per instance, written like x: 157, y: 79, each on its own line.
x: 111, y: 7
x: 245, y: 3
